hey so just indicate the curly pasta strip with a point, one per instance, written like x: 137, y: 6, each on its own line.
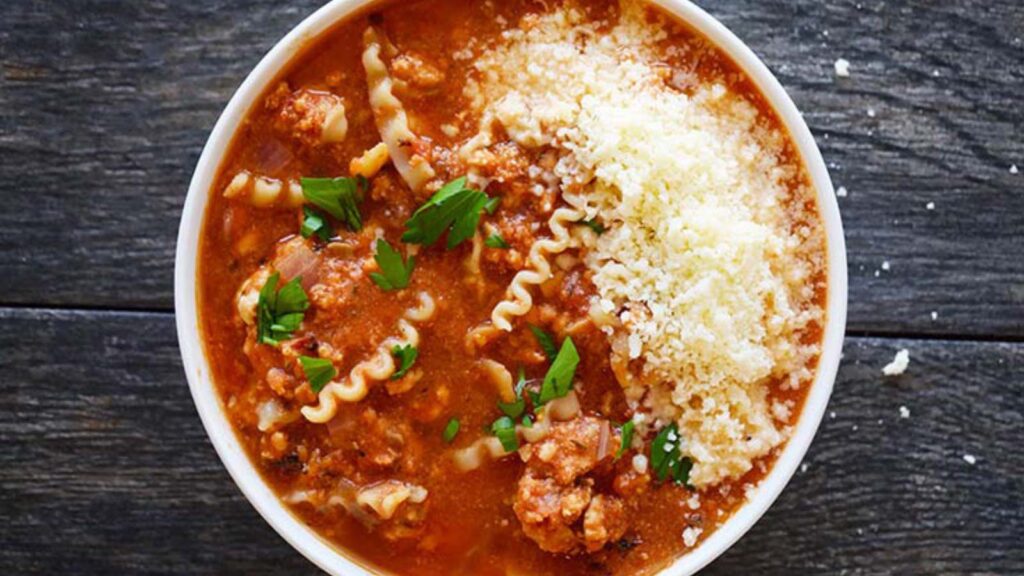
x: 390, y: 117
x: 490, y: 448
x: 501, y: 378
x: 478, y: 336
x: 519, y: 300
x: 380, y: 366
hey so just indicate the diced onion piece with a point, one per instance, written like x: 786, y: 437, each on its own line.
x: 270, y: 414
x: 298, y: 261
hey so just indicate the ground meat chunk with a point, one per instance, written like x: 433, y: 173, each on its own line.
x: 416, y: 74
x: 568, y: 452
x: 312, y: 117
x: 556, y: 501
x: 605, y: 520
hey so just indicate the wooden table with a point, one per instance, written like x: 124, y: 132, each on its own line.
x: 105, y: 468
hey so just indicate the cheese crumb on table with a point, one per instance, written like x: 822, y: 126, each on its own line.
x: 935, y: 315
x: 898, y: 365
x: 904, y: 412
x: 841, y: 192
x: 842, y: 66
x: 970, y: 459
x: 930, y: 206
x: 1013, y: 169
x: 885, y: 265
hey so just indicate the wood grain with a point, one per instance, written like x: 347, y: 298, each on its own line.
x: 106, y: 468
x: 108, y: 103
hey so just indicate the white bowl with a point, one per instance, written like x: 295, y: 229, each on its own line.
x: 300, y: 536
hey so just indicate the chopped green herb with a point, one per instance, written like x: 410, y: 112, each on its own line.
x: 505, y: 429
x: 451, y: 430
x: 627, y: 439
x: 492, y: 205
x: 339, y: 197
x: 667, y: 460
x: 453, y: 207
x: 547, y: 343
x: 280, y: 312
x: 513, y: 409
x: 594, y: 225
x: 558, y: 381
x: 394, y: 272
x: 405, y: 355
x: 314, y: 223
x: 527, y: 422
x: 496, y: 241
x: 318, y: 371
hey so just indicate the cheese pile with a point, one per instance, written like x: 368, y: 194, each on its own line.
x: 704, y: 268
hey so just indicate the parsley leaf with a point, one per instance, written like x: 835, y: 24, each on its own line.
x: 527, y: 422
x: 594, y: 225
x: 667, y: 460
x: 492, y: 205
x: 394, y: 273
x: 280, y: 312
x: 339, y: 197
x: 627, y: 439
x: 558, y: 381
x: 496, y: 241
x: 318, y: 371
x: 405, y: 355
x: 451, y: 430
x: 453, y: 207
x: 314, y: 223
x: 547, y: 343
x: 505, y: 429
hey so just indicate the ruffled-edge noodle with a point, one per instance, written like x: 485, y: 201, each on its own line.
x: 380, y: 366
x: 490, y: 448
x: 390, y: 116
x: 479, y: 336
x: 501, y: 378
x: 519, y: 300
x: 474, y: 276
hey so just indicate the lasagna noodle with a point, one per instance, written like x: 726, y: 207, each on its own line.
x: 380, y: 366
x: 490, y: 448
x: 519, y: 300
x: 390, y: 116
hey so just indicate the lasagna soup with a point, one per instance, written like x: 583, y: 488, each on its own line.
x: 509, y: 288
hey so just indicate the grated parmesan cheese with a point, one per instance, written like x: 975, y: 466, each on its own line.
x: 707, y: 270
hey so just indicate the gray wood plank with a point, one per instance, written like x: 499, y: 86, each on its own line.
x: 107, y: 104
x: 106, y: 468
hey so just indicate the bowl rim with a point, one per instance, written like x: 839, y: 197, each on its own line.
x: 334, y: 560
